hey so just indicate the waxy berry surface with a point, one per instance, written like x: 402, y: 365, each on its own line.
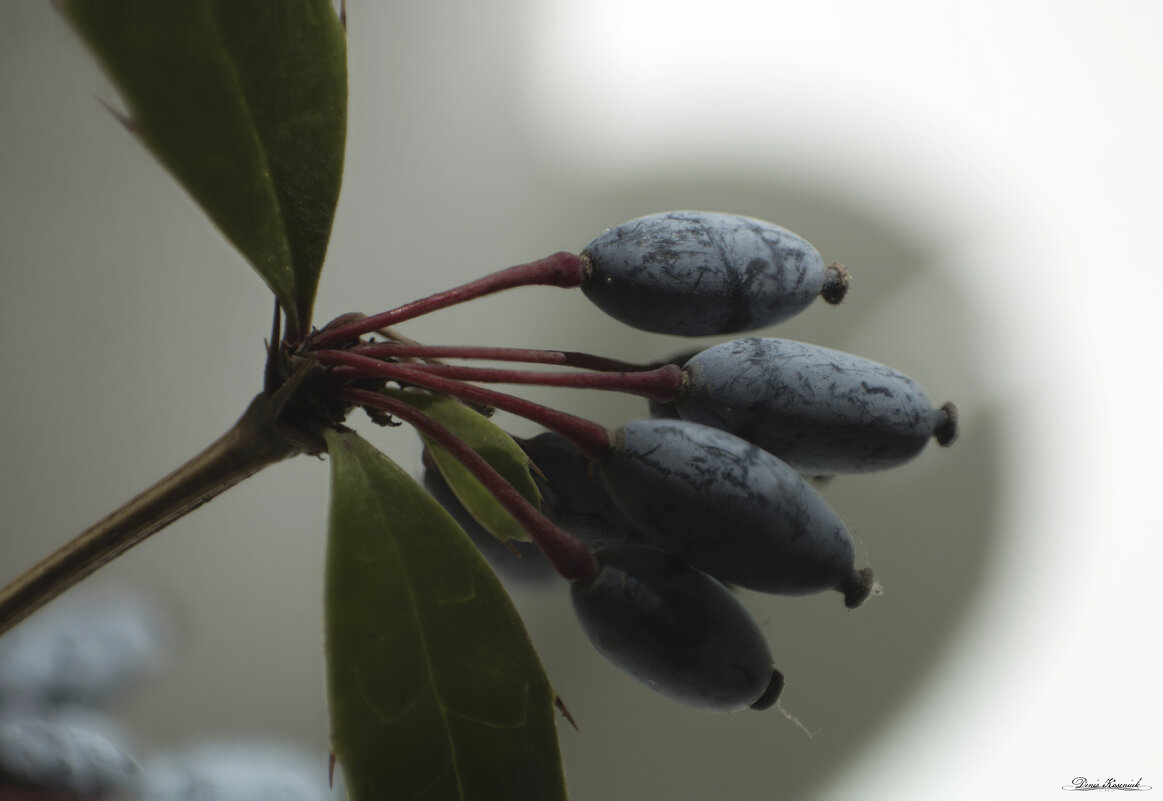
x: 694, y: 273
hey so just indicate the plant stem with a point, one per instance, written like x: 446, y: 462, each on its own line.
x: 592, y: 439
x: 252, y: 443
x: 562, y: 269
x: 564, y: 358
x: 660, y: 384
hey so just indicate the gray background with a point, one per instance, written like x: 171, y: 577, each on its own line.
x: 134, y: 336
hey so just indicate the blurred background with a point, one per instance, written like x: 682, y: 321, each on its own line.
x: 989, y: 174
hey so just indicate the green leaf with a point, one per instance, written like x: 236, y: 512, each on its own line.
x: 245, y: 103
x: 434, y: 688
x: 494, y: 445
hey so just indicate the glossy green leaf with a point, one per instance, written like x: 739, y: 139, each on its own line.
x: 434, y: 688
x: 494, y: 445
x: 245, y: 103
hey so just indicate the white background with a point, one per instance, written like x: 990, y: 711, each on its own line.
x: 1015, y: 143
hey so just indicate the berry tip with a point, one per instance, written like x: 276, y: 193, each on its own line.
x: 836, y: 282
x: 771, y: 694
x: 858, y: 588
x: 946, y: 429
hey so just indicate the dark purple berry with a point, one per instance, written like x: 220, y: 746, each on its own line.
x: 238, y: 771
x: 694, y: 272
x: 676, y: 630
x: 81, y: 653
x: 820, y: 410
x: 730, y: 509
x: 67, y: 750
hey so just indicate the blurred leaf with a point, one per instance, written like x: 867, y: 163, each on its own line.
x: 494, y: 445
x: 245, y: 103
x: 435, y: 690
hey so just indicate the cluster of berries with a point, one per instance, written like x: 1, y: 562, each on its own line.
x: 63, y: 669
x: 650, y: 521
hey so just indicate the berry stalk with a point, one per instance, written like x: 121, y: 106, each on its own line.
x: 660, y: 384
x: 591, y: 438
x: 562, y: 269
x: 563, y: 358
x: 567, y: 555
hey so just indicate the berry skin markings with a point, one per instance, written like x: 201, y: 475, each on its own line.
x: 820, y: 410
x: 676, y: 630
x: 730, y: 509
x: 693, y: 273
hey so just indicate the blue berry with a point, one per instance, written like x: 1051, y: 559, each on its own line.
x: 730, y: 509
x: 67, y: 750
x: 693, y: 273
x: 676, y: 630
x: 74, y: 652
x: 239, y: 771
x: 820, y: 410
x: 572, y: 494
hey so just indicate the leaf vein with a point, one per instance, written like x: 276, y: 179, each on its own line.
x: 380, y: 713
x: 246, y: 105
x: 472, y: 594
x: 414, y: 608
x: 519, y: 724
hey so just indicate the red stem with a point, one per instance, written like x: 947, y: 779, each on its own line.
x: 567, y: 555
x: 564, y: 358
x: 660, y: 384
x: 591, y: 438
x: 562, y: 269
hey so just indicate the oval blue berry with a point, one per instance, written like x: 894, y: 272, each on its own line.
x: 694, y: 272
x: 676, y: 630
x: 82, y: 650
x: 730, y: 509
x: 77, y: 752
x: 238, y: 771
x: 820, y: 410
